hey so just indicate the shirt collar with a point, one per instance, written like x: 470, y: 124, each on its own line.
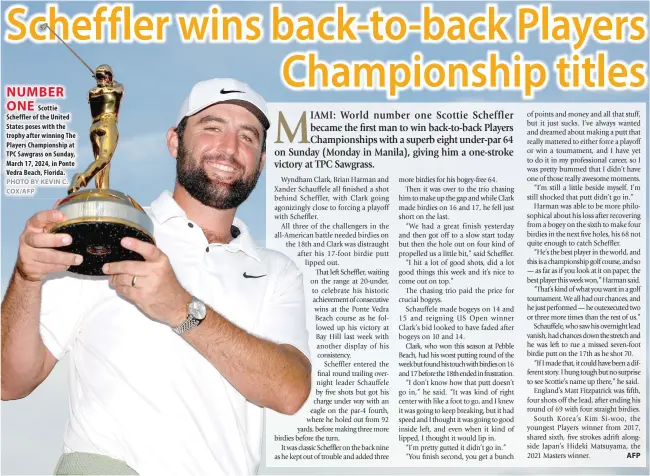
x: 165, y: 208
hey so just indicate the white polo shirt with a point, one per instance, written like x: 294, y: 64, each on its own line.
x: 139, y: 392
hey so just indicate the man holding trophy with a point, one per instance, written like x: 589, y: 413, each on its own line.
x: 181, y: 330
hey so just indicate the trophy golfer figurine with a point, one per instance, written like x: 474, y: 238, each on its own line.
x: 104, y: 106
x: 98, y: 218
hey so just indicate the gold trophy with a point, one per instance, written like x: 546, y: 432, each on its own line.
x: 98, y: 218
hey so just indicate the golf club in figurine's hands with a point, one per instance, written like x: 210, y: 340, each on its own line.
x: 98, y: 218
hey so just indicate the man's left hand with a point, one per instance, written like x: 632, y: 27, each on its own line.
x: 155, y: 288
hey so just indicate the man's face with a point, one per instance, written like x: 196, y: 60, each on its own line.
x: 219, y: 156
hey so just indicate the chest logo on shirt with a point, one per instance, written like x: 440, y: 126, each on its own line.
x: 251, y: 276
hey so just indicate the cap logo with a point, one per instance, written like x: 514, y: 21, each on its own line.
x: 229, y: 91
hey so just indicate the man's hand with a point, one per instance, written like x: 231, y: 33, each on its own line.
x: 36, y: 258
x: 156, y: 291
x: 268, y: 374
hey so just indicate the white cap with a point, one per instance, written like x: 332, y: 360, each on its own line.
x: 220, y: 90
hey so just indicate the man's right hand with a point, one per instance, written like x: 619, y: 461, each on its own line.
x: 36, y: 256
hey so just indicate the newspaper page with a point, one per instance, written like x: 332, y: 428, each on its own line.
x: 461, y: 186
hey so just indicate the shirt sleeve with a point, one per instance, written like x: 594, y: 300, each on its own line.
x: 63, y: 309
x: 283, y: 320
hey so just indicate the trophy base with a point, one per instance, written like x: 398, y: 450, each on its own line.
x: 97, y: 220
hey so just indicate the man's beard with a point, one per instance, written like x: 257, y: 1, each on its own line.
x: 197, y: 183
